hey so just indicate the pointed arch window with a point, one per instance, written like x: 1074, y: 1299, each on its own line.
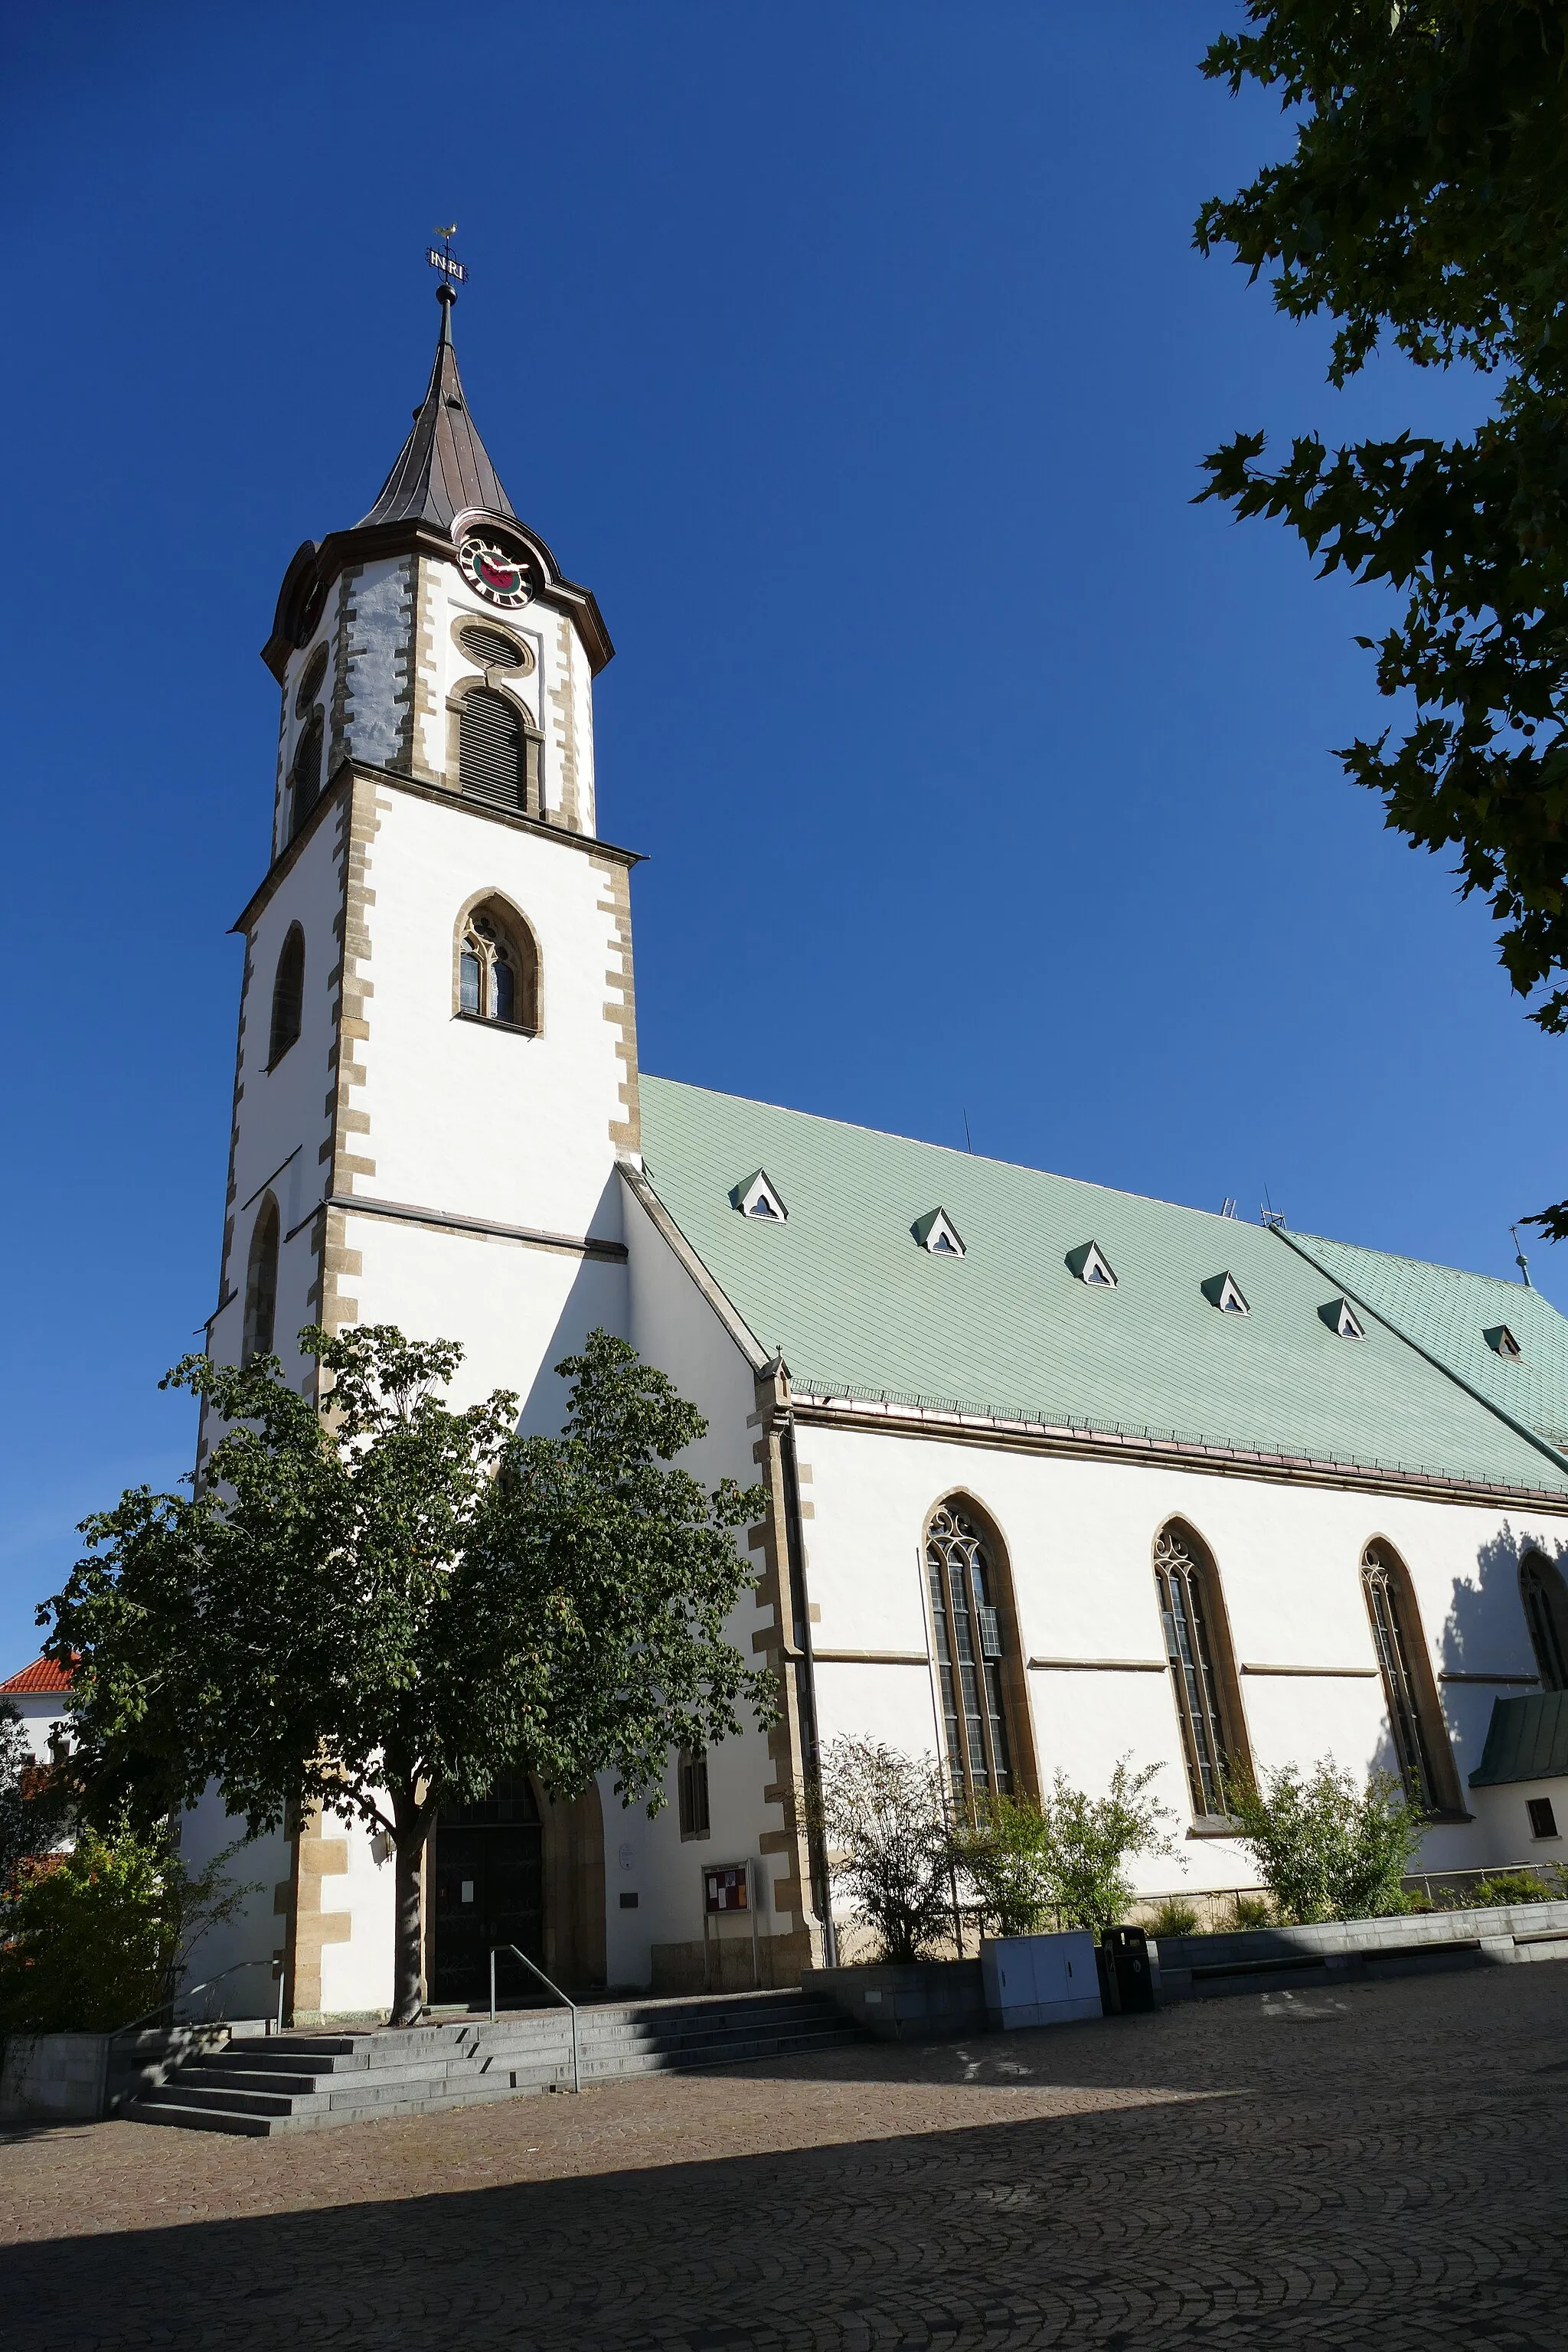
x: 1545, y: 1599
x: 1421, y: 1749
x: 305, y: 777
x: 288, y: 995
x: 1203, y: 1672
x: 970, y: 1627
x: 498, y: 968
x: 261, y: 1282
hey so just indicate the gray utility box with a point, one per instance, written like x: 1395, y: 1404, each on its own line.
x: 1039, y: 1979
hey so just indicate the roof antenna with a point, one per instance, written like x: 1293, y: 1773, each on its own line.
x: 1269, y: 1214
x: 1519, y: 1259
x: 967, y: 1145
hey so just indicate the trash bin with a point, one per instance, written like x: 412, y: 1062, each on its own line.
x: 1130, y: 1980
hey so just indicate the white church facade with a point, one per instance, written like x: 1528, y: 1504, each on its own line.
x: 1056, y: 1473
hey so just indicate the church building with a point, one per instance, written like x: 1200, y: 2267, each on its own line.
x: 1056, y: 1473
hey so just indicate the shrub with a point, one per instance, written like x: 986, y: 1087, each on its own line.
x: 32, y: 1801
x: 1325, y: 1847
x: 1250, y: 1911
x: 96, y: 1938
x: 1173, y: 1916
x: 885, y: 1820
x: 1006, y: 1857
x: 1508, y: 1886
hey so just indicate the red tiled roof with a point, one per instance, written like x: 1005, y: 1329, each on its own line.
x: 43, y: 1675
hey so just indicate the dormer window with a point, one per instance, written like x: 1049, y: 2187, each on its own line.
x: 759, y: 1196
x: 936, y: 1232
x: 1090, y: 1264
x: 1224, y: 1291
x: 1501, y: 1341
x: 1342, y: 1319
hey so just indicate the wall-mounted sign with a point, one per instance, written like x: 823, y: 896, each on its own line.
x: 726, y: 1886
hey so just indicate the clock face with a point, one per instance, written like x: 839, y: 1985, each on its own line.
x: 499, y: 578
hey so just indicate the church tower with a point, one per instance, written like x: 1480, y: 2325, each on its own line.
x: 437, y: 1067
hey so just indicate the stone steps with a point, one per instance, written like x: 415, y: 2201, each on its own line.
x: 308, y: 2081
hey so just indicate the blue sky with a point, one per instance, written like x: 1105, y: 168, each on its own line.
x: 857, y: 356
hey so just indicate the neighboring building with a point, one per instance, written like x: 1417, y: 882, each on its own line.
x: 1520, y: 1790
x: 38, y: 1693
x: 1055, y: 1473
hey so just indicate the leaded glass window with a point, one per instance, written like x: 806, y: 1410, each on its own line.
x: 967, y: 1625
x: 496, y: 970
x: 1546, y: 1614
x: 1185, y: 1614
x: 1396, y: 1636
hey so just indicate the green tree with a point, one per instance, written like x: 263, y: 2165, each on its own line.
x: 1092, y: 1840
x: 1329, y: 1847
x: 97, y: 1937
x: 379, y: 1604
x: 884, y: 1819
x: 1006, y: 1856
x: 1426, y: 200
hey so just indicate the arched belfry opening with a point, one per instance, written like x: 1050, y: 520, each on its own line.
x: 497, y: 975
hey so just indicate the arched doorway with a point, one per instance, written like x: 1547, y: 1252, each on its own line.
x: 488, y: 1889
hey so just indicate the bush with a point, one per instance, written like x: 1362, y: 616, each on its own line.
x: 1506, y: 1887
x: 32, y: 1801
x: 1326, y: 1848
x: 1173, y: 1916
x: 1007, y: 1858
x: 96, y: 1938
x: 1250, y: 1911
x: 885, y: 1820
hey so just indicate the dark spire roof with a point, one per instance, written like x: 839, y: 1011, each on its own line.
x: 443, y: 467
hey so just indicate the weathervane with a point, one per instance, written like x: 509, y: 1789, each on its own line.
x: 453, y: 272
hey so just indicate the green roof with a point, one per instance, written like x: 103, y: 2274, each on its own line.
x: 1451, y: 1314
x: 1527, y: 1739
x: 860, y: 1309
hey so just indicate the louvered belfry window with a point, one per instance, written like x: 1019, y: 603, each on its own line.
x: 491, y: 750
x: 307, y: 776
x: 288, y: 995
x: 967, y: 1623
x: 261, y: 1283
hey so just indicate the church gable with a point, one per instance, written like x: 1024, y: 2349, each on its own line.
x: 1224, y: 1352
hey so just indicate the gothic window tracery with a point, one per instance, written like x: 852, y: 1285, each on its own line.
x: 968, y: 1624
x: 1545, y: 1599
x: 1415, y: 1719
x: 498, y: 969
x: 1198, y: 1652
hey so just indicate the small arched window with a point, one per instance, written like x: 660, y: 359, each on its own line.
x: 288, y: 995
x: 1415, y: 1718
x: 1203, y: 1672
x: 498, y: 968
x: 968, y: 1623
x: 261, y: 1282
x: 305, y: 777
x: 1545, y: 1599
x: 492, y: 750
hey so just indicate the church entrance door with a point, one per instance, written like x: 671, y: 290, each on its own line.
x: 488, y: 1890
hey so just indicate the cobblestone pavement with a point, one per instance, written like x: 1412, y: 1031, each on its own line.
x: 1385, y: 2166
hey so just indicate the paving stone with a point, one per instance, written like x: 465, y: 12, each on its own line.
x: 1383, y: 2164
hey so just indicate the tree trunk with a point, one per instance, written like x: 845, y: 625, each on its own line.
x: 408, y: 1850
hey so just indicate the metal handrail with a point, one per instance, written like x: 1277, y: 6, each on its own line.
x: 185, y: 1992
x: 544, y: 1981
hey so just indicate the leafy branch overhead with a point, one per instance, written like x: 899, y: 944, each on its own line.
x: 1427, y: 202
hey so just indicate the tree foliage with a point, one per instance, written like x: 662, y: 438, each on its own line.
x: 378, y: 1604
x: 98, y: 1936
x: 1329, y: 1847
x: 1089, y: 1841
x: 33, y: 1802
x: 1427, y: 201
x: 884, y: 1817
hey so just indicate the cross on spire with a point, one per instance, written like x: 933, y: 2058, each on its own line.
x: 453, y: 273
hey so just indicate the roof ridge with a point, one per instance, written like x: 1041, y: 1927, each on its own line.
x: 921, y: 1143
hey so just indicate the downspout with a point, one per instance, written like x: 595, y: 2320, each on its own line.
x: 798, y: 1650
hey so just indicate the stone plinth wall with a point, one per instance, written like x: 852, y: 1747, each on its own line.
x: 1195, y: 1967
x: 60, y: 2078
x: 933, y: 2000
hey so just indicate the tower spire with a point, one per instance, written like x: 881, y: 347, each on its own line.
x: 442, y: 468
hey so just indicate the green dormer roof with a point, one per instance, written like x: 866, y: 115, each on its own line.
x: 1008, y: 1330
